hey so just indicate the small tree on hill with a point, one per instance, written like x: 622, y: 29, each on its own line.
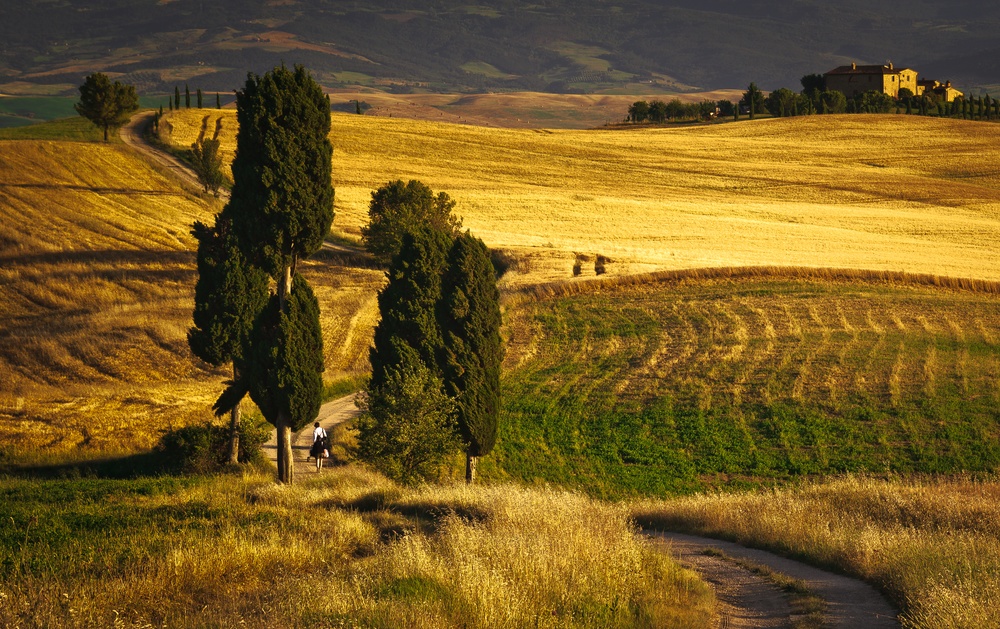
x: 198, y: 94
x: 397, y: 208
x: 177, y: 98
x: 469, y: 314
x: 218, y: 101
x: 753, y: 99
x: 108, y: 105
x: 187, y: 97
x: 638, y: 111
x: 208, y: 164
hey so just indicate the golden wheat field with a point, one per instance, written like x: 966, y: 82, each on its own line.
x: 902, y: 193
x: 98, y: 275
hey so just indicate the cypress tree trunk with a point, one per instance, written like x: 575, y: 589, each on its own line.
x: 285, y: 467
x: 470, y: 468
x: 234, y: 426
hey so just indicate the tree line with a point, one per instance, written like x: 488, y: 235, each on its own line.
x: 814, y: 98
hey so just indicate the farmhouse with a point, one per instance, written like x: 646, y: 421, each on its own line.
x: 856, y: 79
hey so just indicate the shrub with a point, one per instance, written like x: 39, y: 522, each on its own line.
x: 505, y: 260
x: 599, y: 264
x: 204, y: 448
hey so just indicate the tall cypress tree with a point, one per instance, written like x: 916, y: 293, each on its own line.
x: 228, y: 296
x: 408, y: 328
x: 469, y: 314
x: 198, y: 96
x: 187, y: 97
x: 218, y: 101
x: 177, y: 98
x: 282, y: 208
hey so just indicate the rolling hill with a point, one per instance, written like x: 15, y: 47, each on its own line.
x: 629, y: 46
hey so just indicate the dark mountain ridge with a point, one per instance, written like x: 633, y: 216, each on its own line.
x: 627, y: 46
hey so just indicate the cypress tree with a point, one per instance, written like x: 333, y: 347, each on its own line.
x: 170, y: 103
x: 187, y: 97
x: 469, y: 315
x: 227, y: 298
x: 408, y: 329
x: 218, y: 101
x: 198, y: 95
x: 282, y: 208
x: 177, y: 98
x: 397, y: 208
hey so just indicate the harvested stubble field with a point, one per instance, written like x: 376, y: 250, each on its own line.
x: 98, y: 275
x: 902, y: 193
x: 681, y: 384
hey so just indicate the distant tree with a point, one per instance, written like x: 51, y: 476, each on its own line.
x: 108, y: 105
x: 726, y: 107
x: 208, y: 164
x: 187, y: 97
x: 469, y: 315
x: 282, y: 209
x: 357, y: 106
x: 909, y: 105
x: 638, y: 111
x: 781, y: 102
x: 228, y: 296
x: 218, y: 101
x: 170, y: 103
x: 658, y: 111
x: 987, y: 107
x: 177, y: 98
x: 396, y: 208
x: 904, y: 93
x: 813, y: 84
x: 675, y: 110
x: 407, y: 426
x: 833, y: 102
x: 199, y: 98
x: 753, y: 98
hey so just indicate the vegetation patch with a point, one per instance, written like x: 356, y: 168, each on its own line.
x: 676, y: 387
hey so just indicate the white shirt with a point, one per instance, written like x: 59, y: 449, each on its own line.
x: 318, y: 433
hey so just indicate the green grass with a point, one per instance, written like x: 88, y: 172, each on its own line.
x: 72, y: 129
x: 675, y: 388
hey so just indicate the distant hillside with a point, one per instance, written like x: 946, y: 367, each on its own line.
x: 628, y: 46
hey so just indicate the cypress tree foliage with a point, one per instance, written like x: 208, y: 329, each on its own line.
x: 108, y: 105
x: 227, y: 298
x: 198, y: 95
x: 218, y: 101
x: 469, y: 315
x: 408, y: 329
x: 187, y: 97
x: 177, y: 98
x: 170, y: 103
x: 397, y: 208
x: 208, y: 164
x: 282, y: 208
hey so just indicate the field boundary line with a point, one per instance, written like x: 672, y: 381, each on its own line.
x: 555, y: 290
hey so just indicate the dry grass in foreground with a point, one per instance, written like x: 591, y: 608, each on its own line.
x: 343, y: 549
x: 933, y: 545
x: 898, y: 193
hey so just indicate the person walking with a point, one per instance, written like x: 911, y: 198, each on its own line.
x: 319, y: 446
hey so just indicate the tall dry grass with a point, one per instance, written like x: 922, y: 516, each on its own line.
x: 345, y: 549
x: 932, y: 544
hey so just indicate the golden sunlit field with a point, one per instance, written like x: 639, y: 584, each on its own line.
x: 98, y: 274
x: 901, y: 193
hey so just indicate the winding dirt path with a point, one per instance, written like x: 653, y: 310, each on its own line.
x: 750, y: 601
x: 330, y: 414
x: 133, y: 135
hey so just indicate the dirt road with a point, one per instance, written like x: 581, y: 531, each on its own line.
x: 330, y: 414
x: 749, y: 601
x: 132, y: 134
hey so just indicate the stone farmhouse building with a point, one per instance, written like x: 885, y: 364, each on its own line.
x: 855, y: 79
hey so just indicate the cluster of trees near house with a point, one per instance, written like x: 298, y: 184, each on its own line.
x: 174, y: 102
x: 814, y: 98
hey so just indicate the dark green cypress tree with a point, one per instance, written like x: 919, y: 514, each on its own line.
x: 218, y: 101
x: 228, y: 296
x: 408, y: 304
x: 187, y: 97
x: 282, y: 208
x: 469, y: 315
x: 198, y: 97
x: 177, y: 98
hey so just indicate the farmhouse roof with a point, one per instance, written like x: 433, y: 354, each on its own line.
x: 856, y: 69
